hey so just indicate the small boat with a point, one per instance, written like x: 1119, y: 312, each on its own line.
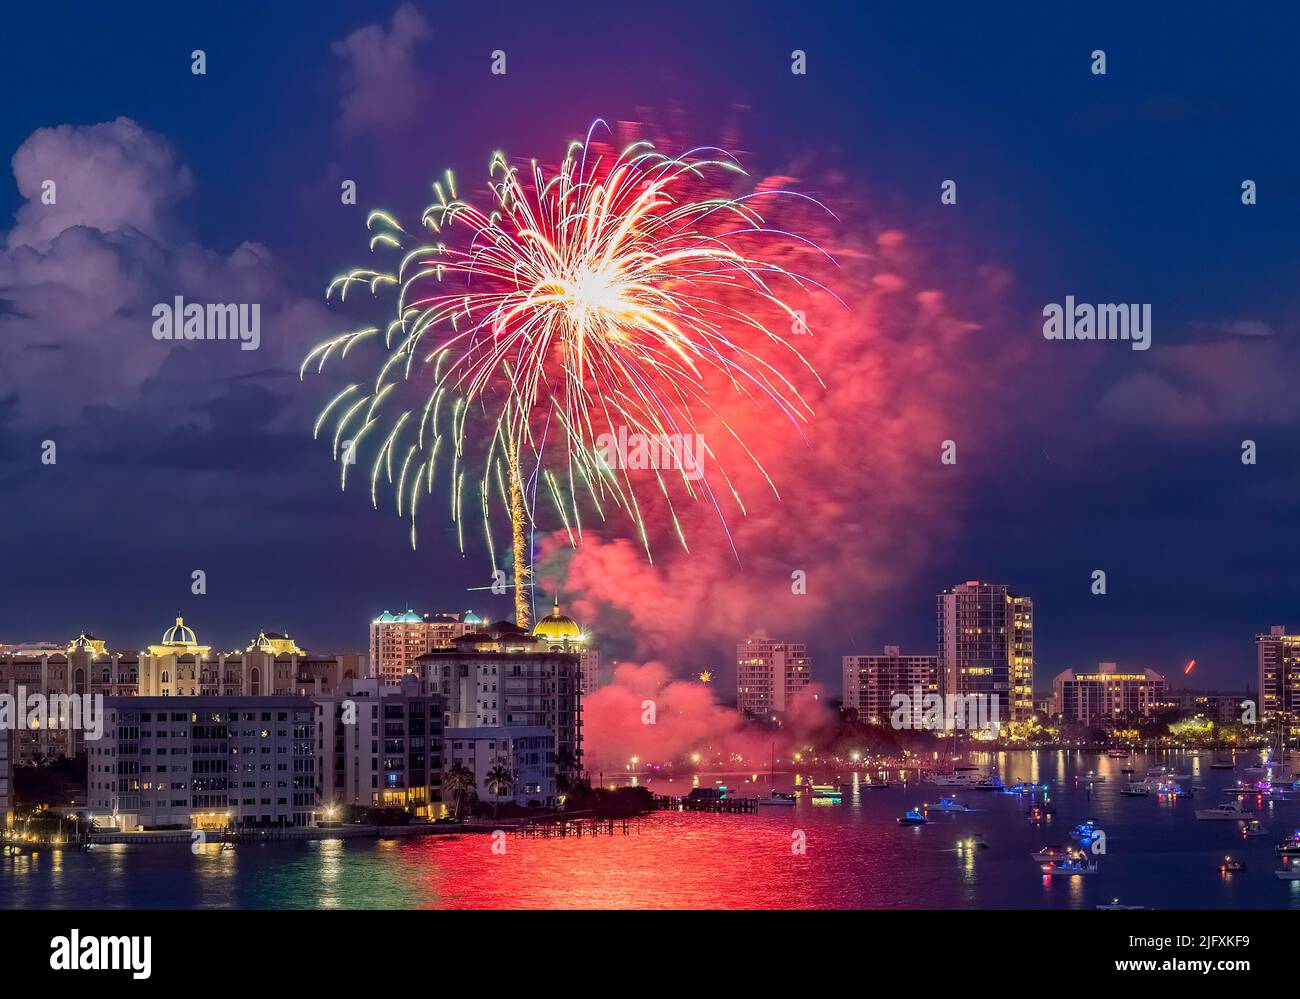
x: 1126, y: 770
x: 1094, y: 778
x: 779, y: 798
x: 913, y: 818
x: 1290, y: 847
x: 947, y: 804
x: 875, y: 785
x: 1131, y: 790
x: 1025, y: 787
x: 973, y: 842
x: 990, y: 783
x: 1221, y: 762
x: 1084, y: 829
x: 1231, y: 812
x: 1051, y: 854
x: 1070, y: 866
x: 1288, y: 874
x: 1114, y: 905
x: 1118, y: 754
x: 1037, y: 812
x: 1245, y: 788
x: 1254, y: 828
x: 1229, y: 865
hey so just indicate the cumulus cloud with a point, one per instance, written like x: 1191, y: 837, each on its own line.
x: 380, y: 77
x: 110, y: 176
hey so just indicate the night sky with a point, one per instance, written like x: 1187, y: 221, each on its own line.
x: 1072, y: 456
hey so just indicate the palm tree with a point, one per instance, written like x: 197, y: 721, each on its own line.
x: 458, y: 780
x: 499, y: 781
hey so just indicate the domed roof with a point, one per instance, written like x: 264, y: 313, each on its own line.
x: 472, y: 618
x: 409, y: 617
x: 179, y: 634
x: 557, y: 627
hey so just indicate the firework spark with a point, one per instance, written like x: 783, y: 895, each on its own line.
x: 580, y: 309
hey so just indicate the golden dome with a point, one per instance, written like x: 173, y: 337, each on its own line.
x: 558, y: 628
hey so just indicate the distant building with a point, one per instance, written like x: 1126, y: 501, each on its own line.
x: 769, y: 674
x: 870, y: 683
x: 503, y: 676
x: 382, y: 746
x: 526, y: 752
x: 398, y: 640
x: 1101, y: 698
x: 204, y: 763
x: 1278, y: 657
x: 1220, y: 707
x: 986, y: 646
x: 6, y: 778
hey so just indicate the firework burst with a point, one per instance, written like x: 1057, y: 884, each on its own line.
x: 580, y: 310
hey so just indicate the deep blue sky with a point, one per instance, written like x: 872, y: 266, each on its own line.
x: 1119, y: 188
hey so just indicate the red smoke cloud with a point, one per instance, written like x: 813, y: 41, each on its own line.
x: 910, y: 357
x: 686, y: 719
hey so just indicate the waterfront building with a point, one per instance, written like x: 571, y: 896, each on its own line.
x: 398, y: 640
x: 526, y: 752
x: 6, y: 778
x: 381, y: 745
x: 562, y: 634
x: 870, y: 683
x: 1106, y: 697
x: 986, y: 646
x: 1219, y: 706
x: 204, y: 763
x: 1278, y: 659
x: 506, y: 676
x: 768, y: 675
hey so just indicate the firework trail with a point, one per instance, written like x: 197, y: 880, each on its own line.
x: 578, y: 312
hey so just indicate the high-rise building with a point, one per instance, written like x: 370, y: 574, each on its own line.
x: 562, y: 634
x: 768, y: 675
x: 986, y: 646
x: 398, y: 640
x: 6, y: 778
x: 382, y: 746
x: 1278, y: 656
x: 204, y: 763
x: 1104, y: 697
x: 870, y: 683
x: 505, y: 677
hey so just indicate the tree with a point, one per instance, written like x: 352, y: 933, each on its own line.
x: 499, y: 781
x: 459, y: 780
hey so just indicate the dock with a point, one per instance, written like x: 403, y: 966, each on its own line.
x: 726, y: 806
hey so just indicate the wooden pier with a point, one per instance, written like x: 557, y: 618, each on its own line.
x: 728, y: 806
x: 562, y: 826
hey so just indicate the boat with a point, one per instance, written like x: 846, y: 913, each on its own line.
x: 1052, y: 854
x: 1229, y: 865
x: 972, y: 842
x: 1039, y: 811
x: 875, y: 785
x: 1084, y: 829
x: 947, y: 804
x: 1070, y: 866
x: 1287, y: 874
x: 1221, y: 762
x: 1131, y: 790
x: 779, y: 798
x: 1169, y: 789
x: 951, y: 780
x: 913, y: 818
x: 1094, y: 778
x: 1114, y: 905
x: 1254, y: 828
x: 1025, y: 787
x: 825, y: 792
x: 1244, y: 787
x: 1118, y: 754
x: 990, y: 783
x: 1125, y: 770
x: 1231, y: 812
x: 1290, y: 847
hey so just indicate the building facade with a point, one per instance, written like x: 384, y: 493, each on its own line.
x: 1278, y: 659
x: 769, y: 674
x: 525, y: 752
x: 398, y: 640
x: 6, y: 778
x: 205, y: 762
x: 1106, y: 697
x: 505, y: 676
x: 986, y: 646
x: 870, y: 683
x: 382, y: 746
